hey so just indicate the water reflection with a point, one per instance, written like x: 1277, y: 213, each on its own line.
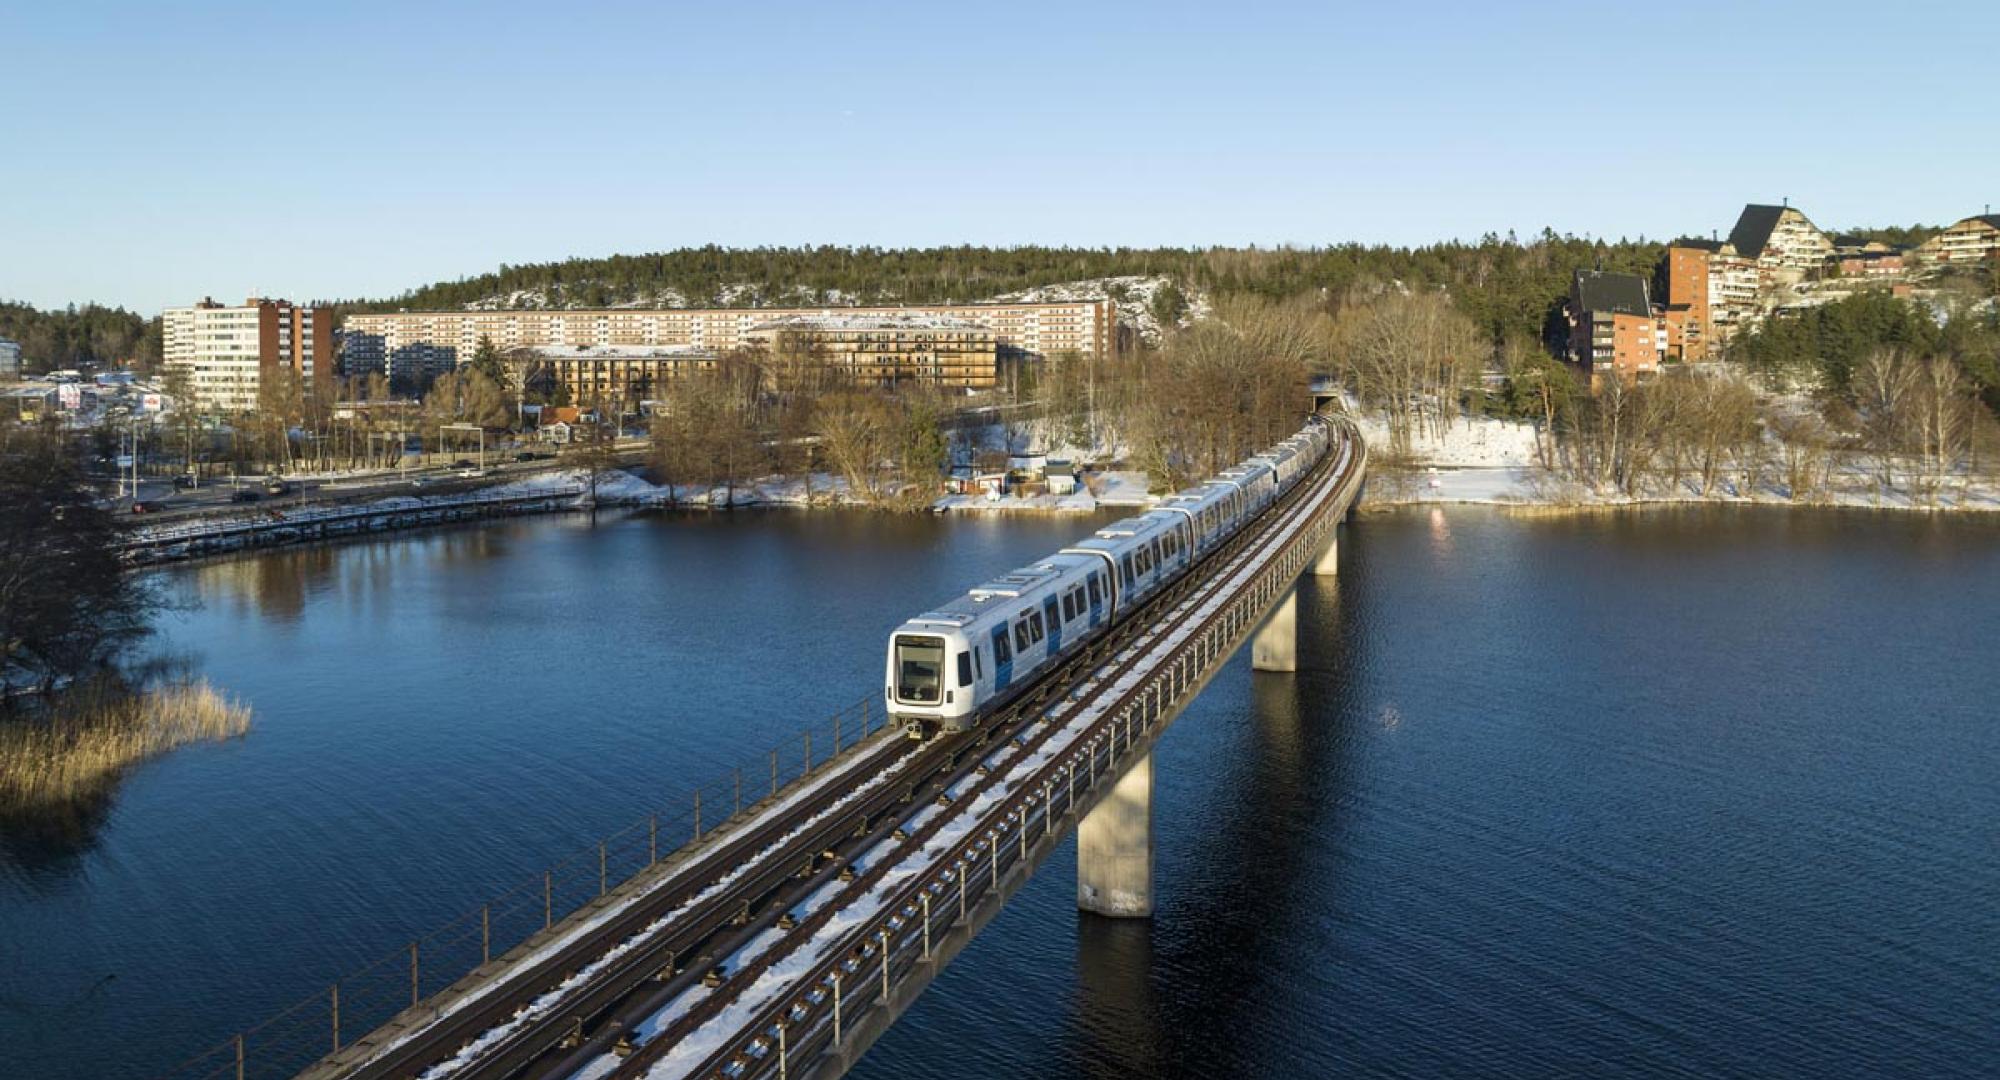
x: 1115, y: 971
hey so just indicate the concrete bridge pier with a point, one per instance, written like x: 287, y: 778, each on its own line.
x: 1114, y: 848
x: 1276, y: 644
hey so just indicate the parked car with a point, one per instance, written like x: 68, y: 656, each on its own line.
x: 183, y: 482
x: 244, y: 495
x: 462, y: 463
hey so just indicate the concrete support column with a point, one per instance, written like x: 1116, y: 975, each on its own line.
x: 1276, y: 646
x: 1114, y: 848
x: 1328, y: 563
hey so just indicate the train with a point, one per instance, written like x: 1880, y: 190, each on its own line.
x: 951, y: 668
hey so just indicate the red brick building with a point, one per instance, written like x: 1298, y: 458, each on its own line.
x: 1613, y: 327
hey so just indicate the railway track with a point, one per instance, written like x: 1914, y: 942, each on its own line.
x: 581, y: 999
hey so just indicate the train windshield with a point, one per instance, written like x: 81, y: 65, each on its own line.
x: 919, y: 668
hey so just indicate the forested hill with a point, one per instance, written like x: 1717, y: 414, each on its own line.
x: 1506, y: 284
x: 79, y: 336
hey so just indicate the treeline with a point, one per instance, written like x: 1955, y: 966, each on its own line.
x: 75, y: 336
x: 1507, y: 285
x: 1824, y: 347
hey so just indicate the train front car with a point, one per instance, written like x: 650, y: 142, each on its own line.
x: 932, y: 682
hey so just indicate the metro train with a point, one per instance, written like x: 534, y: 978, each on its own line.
x: 952, y: 667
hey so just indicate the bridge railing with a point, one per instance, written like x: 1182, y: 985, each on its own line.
x: 352, y: 1005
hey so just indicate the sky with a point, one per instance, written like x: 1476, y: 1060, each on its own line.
x: 154, y: 153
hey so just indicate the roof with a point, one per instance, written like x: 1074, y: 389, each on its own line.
x: 1697, y: 243
x: 1990, y: 219
x: 1624, y: 294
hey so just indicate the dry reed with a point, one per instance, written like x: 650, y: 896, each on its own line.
x: 81, y: 743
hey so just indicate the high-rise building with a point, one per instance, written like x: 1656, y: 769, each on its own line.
x: 229, y: 352
x: 1684, y: 281
x: 415, y: 345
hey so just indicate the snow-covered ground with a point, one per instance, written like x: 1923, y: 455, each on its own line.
x: 1484, y: 460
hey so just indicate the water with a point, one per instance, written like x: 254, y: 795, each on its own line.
x: 1704, y: 793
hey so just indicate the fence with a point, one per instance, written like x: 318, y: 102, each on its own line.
x: 357, y: 1003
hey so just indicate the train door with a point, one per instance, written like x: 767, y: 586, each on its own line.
x: 1050, y: 615
x: 1096, y: 598
x: 1003, y: 658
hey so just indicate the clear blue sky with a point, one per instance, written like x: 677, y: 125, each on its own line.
x: 151, y: 153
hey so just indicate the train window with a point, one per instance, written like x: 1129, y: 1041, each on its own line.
x: 1002, y: 651
x: 1077, y: 595
x: 1035, y: 624
x: 919, y: 668
x: 1069, y: 607
x: 1128, y: 571
x: 965, y: 669
x: 1096, y: 597
x: 1021, y: 641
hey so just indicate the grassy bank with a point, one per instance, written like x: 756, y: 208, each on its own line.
x: 77, y: 746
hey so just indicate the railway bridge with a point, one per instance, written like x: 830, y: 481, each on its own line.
x: 784, y: 938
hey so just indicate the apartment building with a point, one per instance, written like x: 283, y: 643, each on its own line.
x: 1966, y: 241
x: 624, y: 375
x: 10, y: 359
x: 1613, y: 327
x: 888, y: 349
x: 415, y: 345
x: 229, y: 351
x: 1783, y: 243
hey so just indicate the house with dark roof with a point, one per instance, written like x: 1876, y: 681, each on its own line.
x: 1966, y: 241
x: 1614, y: 329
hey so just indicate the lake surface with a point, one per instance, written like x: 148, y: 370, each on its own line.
x: 1693, y: 792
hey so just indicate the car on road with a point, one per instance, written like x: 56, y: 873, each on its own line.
x: 275, y: 486
x: 532, y: 455
x: 145, y: 507
x: 183, y: 482
x: 244, y: 495
x: 421, y: 481
x: 463, y: 463
x: 470, y: 474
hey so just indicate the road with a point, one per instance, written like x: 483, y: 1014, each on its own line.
x: 216, y: 496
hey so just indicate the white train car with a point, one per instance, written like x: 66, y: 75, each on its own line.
x: 949, y: 667
x: 1209, y: 511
